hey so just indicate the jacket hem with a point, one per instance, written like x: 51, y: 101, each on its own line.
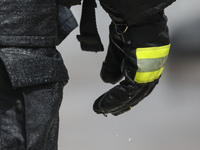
x: 28, y: 41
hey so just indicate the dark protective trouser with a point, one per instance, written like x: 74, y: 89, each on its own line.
x: 138, y: 53
x: 29, y: 117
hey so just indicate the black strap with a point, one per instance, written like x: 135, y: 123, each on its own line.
x: 89, y: 37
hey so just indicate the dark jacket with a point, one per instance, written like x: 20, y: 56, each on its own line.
x: 129, y: 11
x: 29, y: 32
x: 133, y: 11
x: 31, y: 23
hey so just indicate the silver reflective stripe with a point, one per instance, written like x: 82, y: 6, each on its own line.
x: 150, y: 61
x: 148, y: 65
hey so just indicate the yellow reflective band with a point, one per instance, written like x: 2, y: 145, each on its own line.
x: 152, y: 52
x: 145, y: 77
x: 150, y: 61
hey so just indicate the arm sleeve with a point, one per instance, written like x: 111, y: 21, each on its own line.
x: 69, y: 3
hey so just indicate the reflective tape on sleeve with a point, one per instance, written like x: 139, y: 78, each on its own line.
x: 148, y: 65
x: 151, y: 62
x: 152, y: 52
x: 145, y: 77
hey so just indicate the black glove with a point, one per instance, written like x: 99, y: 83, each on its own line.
x: 69, y: 3
x: 138, y: 53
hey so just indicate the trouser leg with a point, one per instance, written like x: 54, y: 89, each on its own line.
x: 145, y: 49
x: 111, y: 67
x: 29, y: 117
x: 42, y: 105
x: 12, y: 119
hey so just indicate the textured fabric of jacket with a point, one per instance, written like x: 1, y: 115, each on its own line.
x: 32, y: 72
x: 28, y: 23
x: 133, y: 11
x: 29, y: 32
x: 33, y: 66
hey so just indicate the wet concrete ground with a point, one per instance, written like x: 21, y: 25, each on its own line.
x: 166, y: 120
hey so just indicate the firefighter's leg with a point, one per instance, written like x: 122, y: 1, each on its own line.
x: 12, y: 115
x: 111, y: 67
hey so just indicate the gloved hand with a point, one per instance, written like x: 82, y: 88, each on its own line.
x: 69, y: 3
x: 138, y: 53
